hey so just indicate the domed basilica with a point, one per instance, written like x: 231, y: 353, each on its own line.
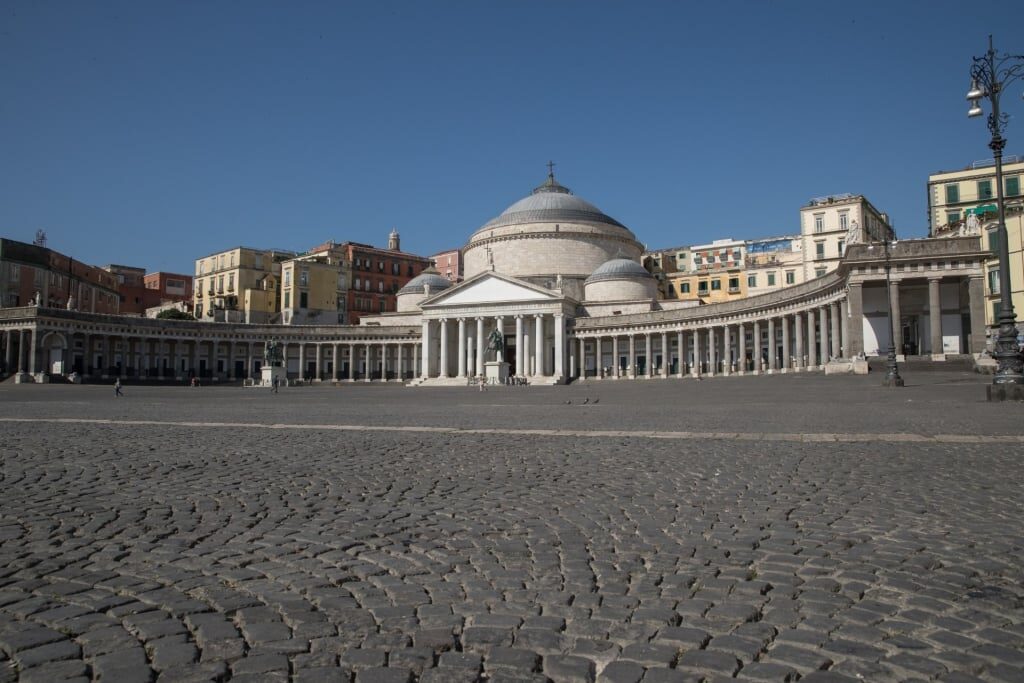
x: 543, y: 262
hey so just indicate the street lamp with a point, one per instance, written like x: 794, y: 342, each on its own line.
x: 990, y: 75
x: 892, y: 371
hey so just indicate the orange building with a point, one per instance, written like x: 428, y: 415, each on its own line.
x: 30, y: 273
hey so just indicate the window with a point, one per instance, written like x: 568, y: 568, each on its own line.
x: 819, y: 272
x: 358, y: 284
x: 304, y: 278
x: 380, y: 286
x: 303, y: 300
x: 380, y: 266
x: 751, y: 281
x: 199, y: 286
x: 259, y: 262
x: 383, y: 306
x: 288, y: 278
x: 199, y: 310
x: 952, y: 193
x: 993, y: 281
x: 819, y: 250
x: 844, y: 220
x: 790, y: 277
x: 736, y: 255
x: 993, y: 242
x: 37, y: 278
x: 952, y: 217
x: 14, y: 272
x: 716, y: 285
x: 231, y: 282
x: 231, y: 260
x: 287, y: 299
x: 984, y: 189
x: 1013, y: 186
x: 409, y: 271
x: 671, y: 290
x: 220, y: 284
x: 395, y: 267
x: 771, y: 279
x: 684, y: 287
x: 819, y: 222
x: 711, y: 258
x: 734, y: 284
x: 842, y: 247
x: 702, y: 287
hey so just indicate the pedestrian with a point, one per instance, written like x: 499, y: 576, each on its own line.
x: 117, y: 388
x: 274, y: 382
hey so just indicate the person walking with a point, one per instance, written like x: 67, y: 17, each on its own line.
x: 273, y: 383
x: 117, y: 388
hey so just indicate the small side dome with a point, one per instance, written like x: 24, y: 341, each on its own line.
x: 427, y: 283
x: 619, y: 269
x: 620, y: 279
x: 428, y: 278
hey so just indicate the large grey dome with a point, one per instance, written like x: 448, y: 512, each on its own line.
x: 549, y: 203
x: 430, y: 277
x: 618, y: 269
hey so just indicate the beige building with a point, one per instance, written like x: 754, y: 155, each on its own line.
x: 313, y: 290
x: 955, y: 197
x: 238, y: 285
x: 829, y: 224
x: 773, y: 263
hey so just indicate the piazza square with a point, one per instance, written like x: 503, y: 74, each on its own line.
x: 779, y: 528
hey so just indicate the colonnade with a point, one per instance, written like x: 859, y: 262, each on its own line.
x: 780, y: 342
x: 538, y: 341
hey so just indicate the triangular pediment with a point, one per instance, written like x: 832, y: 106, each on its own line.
x: 489, y: 288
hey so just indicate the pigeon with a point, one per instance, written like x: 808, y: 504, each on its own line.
x: 596, y: 401
x: 586, y: 400
x: 568, y: 403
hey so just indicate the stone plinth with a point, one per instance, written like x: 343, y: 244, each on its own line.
x: 269, y: 372
x: 496, y: 371
x: 997, y: 393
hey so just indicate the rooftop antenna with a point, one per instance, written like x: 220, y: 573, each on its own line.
x: 40, y: 240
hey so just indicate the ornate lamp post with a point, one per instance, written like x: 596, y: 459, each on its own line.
x: 892, y: 372
x: 990, y: 75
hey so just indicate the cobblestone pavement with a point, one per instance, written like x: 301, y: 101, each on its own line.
x: 146, y: 544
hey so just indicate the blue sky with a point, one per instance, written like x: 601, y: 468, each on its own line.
x: 151, y: 133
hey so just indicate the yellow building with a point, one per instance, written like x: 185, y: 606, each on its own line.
x: 313, y: 290
x: 955, y: 196
x: 773, y: 263
x: 223, y: 279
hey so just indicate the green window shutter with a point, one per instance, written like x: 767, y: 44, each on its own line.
x: 1013, y: 186
x: 952, y: 194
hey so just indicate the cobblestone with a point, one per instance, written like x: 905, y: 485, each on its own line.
x: 149, y: 545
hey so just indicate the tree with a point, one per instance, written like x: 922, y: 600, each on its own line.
x: 174, y: 314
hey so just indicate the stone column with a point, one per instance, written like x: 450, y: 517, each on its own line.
x: 855, y: 320
x: 844, y: 328
x: 583, y: 355
x: 195, y: 356
x: 756, y: 347
x: 712, y: 353
x: 935, y: 318
x: 798, y: 334
x: 471, y: 356
x: 9, y: 352
x: 666, y: 357
x: 787, y: 352
x: 833, y: 311
x: 499, y: 325
x: 539, y: 342
x: 33, y: 339
x: 976, y: 300
x: 773, y: 347
x: 21, y: 351
x: 443, y: 370
x: 480, y: 346
x: 369, y: 362
x: 615, y: 357
x: 425, y: 343
x: 812, y: 341
x: 681, y: 354
x: 559, y: 347
x: 302, y: 360
x: 462, y: 349
x: 632, y: 358
x: 727, y: 346
x: 741, y: 352
x: 334, y: 362
x: 318, y: 350
x: 384, y: 362
x: 695, y: 368
x: 415, y: 359
x: 649, y: 364
x: 125, y: 356
x: 249, y: 360
x: 823, y: 335
x: 520, y: 348
x: 399, y: 362
x: 897, y: 317
x: 352, y: 359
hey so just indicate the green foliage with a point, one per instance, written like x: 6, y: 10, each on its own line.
x: 174, y: 314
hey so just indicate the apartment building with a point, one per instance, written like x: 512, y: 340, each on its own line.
x: 30, y: 273
x: 449, y: 264
x: 828, y: 224
x: 954, y: 197
x: 774, y: 262
x: 239, y: 285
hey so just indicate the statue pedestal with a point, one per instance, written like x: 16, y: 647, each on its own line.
x: 496, y: 371
x: 269, y: 372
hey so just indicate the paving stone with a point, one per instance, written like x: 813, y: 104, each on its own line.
x: 569, y: 669
x: 621, y: 672
x: 712, y: 662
